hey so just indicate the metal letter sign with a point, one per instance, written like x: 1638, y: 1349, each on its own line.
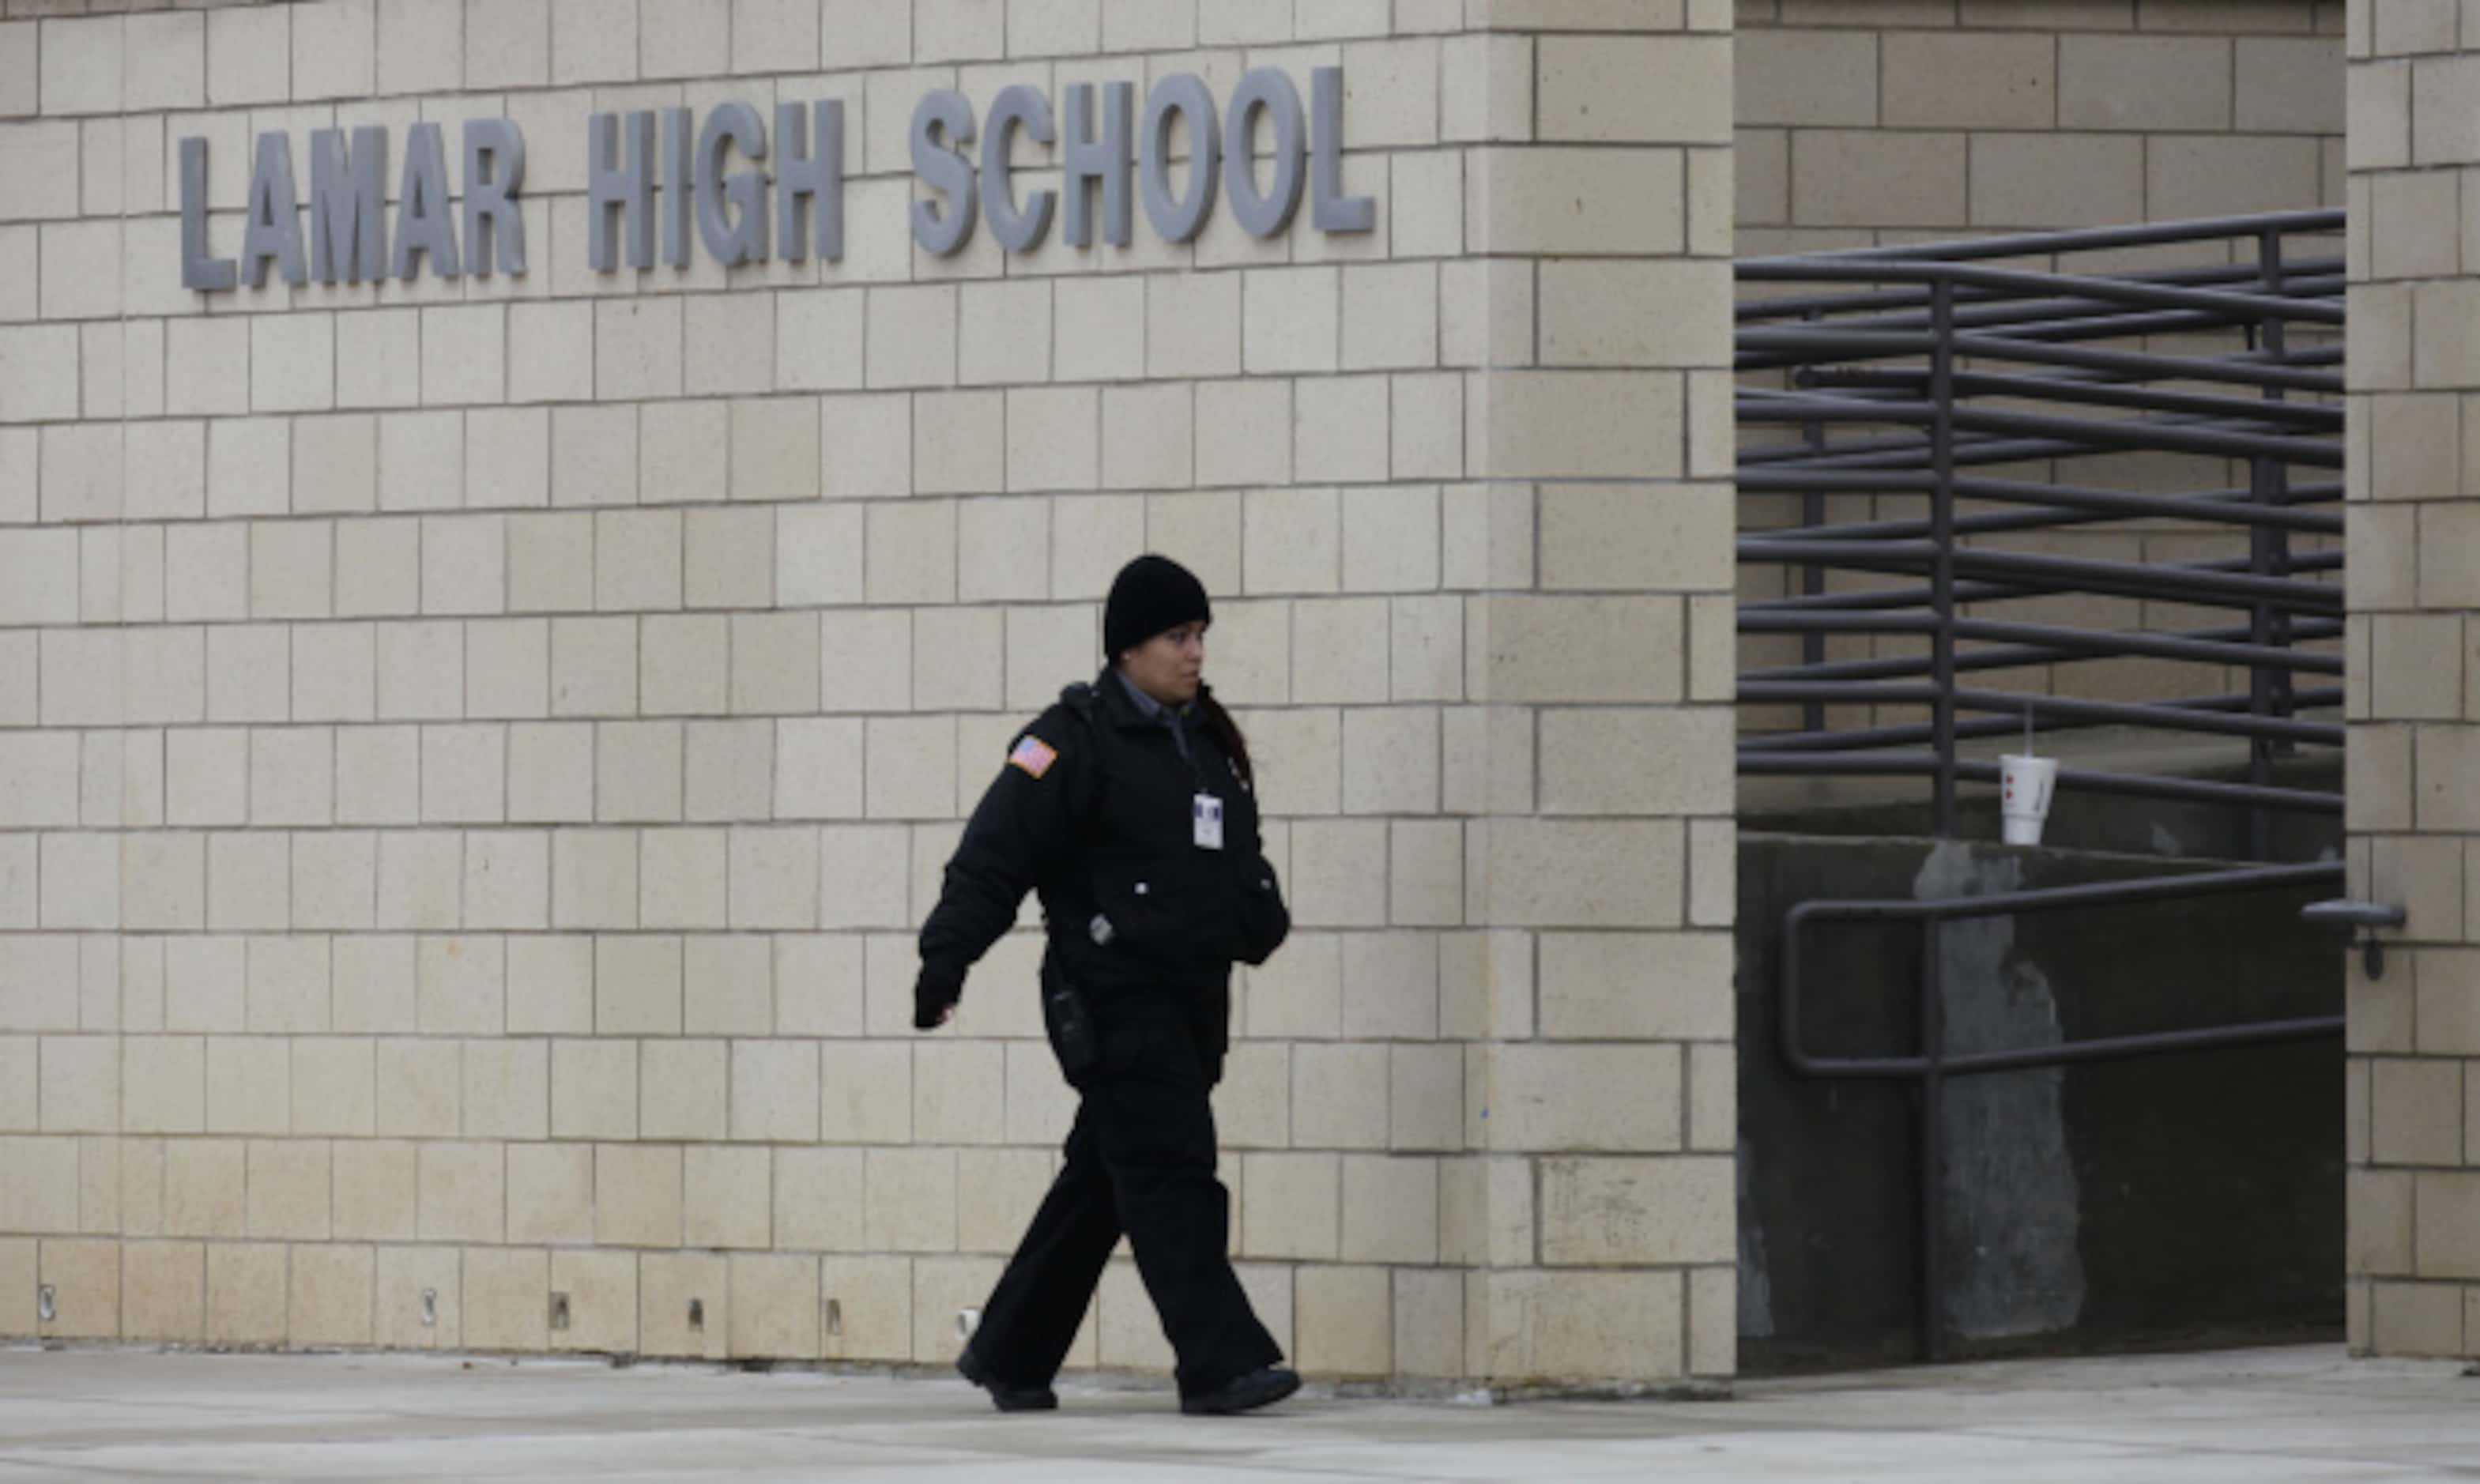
x: 348, y: 206
x: 719, y: 182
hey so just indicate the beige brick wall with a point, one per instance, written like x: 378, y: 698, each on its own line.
x: 1869, y: 123
x: 36, y: 10
x: 473, y: 754
x: 2414, y: 1129
x: 1861, y: 123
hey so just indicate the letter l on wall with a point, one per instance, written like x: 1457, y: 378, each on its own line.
x: 1329, y: 210
x: 199, y: 271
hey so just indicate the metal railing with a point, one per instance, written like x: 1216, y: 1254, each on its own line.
x: 1914, y: 370
x: 1931, y: 1067
x: 1912, y: 374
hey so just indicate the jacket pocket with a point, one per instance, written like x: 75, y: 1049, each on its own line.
x: 1262, y: 920
x: 1139, y: 910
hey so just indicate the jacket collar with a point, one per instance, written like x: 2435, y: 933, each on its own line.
x: 1119, y: 698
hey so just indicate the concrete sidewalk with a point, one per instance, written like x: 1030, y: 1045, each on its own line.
x: 2260, y: 1415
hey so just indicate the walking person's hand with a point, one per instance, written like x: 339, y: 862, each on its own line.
x: 934, y: 997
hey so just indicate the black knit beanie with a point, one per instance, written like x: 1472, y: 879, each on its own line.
x: 1150, y: 595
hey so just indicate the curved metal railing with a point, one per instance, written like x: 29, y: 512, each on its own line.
x: 1908, y: 375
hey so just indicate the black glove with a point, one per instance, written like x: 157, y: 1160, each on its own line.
x: 934, y: 994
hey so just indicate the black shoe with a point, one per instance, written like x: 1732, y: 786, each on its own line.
x: 1246, y: 1392
x: 1006, y: 1397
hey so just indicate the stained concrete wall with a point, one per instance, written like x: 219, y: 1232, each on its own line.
x: 2170, y: 1199
x: 2415, y: 702
x: 471, y: 752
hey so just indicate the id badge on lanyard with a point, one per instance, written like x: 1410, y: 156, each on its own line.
x: 1206, y: 810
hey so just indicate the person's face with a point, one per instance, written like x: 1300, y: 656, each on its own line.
x: 1169, y: 666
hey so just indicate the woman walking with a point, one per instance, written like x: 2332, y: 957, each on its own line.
x: 1129, y: 808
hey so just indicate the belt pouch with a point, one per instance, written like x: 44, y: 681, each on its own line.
x: 1068, y: 1021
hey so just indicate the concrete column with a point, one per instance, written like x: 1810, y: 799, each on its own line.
x: 1597, y: 1204
x: 2414, y: 668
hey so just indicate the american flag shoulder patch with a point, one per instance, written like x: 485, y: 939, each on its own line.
x: 1034, y: 756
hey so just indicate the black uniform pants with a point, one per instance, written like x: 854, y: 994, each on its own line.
x: 1140, y: 1160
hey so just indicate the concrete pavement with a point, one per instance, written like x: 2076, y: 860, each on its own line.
x: 2306, y: 1413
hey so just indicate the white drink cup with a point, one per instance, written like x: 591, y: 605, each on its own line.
x: 2026, y: 784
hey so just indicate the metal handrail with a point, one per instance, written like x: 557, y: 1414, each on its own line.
x: 2133, y: 293
x: 1909, y: 365
x: 1932, y: 1065
x: 2245, y: 368
x: 2101, y: 238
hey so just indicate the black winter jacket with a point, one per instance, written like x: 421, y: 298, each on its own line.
x: 1095, y: 809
